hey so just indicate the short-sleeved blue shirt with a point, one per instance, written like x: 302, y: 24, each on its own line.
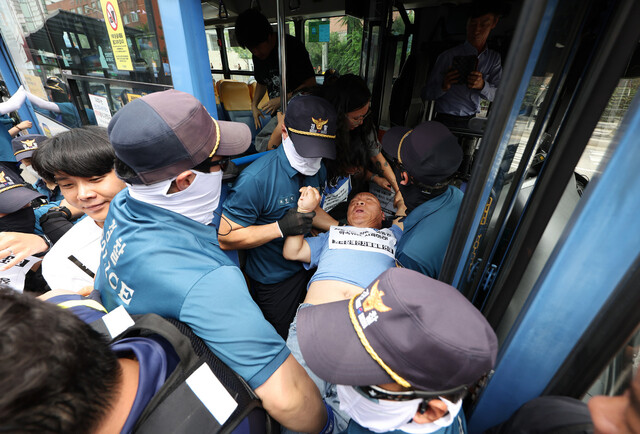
x: 343, y: 263
x: 427, y: 230
x: 263, y: 194
x: 157, y: 261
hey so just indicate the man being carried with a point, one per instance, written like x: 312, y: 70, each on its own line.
x: 424, y: 159
x: 409, y: 349
x: 254, y: 32
x: 260, y: 210
x: 341, y: 252
x: 159, y: 255
x: 348, y: 259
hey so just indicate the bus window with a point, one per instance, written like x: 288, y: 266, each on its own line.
x: 215, y: 59
x: 343, y: 49
x: 398, y: 29
x: 607, y: 126
x: 58, y: 41
x: 239, y: 58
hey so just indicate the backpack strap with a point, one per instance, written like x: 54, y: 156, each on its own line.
x: 202, y: 394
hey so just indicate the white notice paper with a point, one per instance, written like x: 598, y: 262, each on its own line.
x: 14, y: 276
x: 364, y: 239
x: 100, y: 109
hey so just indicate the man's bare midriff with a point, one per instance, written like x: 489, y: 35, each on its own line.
x: 327, y: 291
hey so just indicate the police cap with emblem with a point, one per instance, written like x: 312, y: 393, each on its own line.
x: 14, y: 192
x: 25, y: 146
x: 405, y: 328
x: 311, y: 123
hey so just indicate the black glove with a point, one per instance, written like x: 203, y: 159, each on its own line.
x: 55, y: 223
x: 296, y: 223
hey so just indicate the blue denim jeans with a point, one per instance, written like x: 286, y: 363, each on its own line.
x: 327, y: 390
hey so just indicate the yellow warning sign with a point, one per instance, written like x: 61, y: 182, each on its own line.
x: 113, y: 21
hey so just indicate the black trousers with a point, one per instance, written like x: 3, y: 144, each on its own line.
x: 279, y: 301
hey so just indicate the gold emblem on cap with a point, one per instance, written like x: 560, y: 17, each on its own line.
x: 374, y: 300
x: 2, y: 178
x: 319, y: 123
x: 29, y: 144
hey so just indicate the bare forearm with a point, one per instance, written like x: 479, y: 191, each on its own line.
x: 249, y: 237
x: 387, y: 171
x: 296, y: 249
x: 401, y: 213
x: 323, y: 220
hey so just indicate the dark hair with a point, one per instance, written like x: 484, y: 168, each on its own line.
x: 123, y: 170
x: 252, y: 28
x: 348, y: 93
x: 57, y: 374
x: 84, y: 151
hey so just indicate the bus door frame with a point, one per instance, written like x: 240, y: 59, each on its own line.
x: 589, y: 266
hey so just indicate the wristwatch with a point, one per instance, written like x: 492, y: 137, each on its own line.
x: 49, y: 245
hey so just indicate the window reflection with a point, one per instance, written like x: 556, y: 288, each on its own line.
x: 54, y: 39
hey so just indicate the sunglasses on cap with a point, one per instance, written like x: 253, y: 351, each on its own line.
x: 376, y: 392
x: 208, y: 164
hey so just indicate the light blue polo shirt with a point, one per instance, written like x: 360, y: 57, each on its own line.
x: 427, y: 230
x: 156, y: 261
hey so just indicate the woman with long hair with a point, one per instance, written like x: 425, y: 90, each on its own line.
x: 357, y: 147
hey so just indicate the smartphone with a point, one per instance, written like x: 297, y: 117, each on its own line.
x: 464, y: 65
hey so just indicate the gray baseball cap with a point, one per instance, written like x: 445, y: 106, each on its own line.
x: 404, y: 326
x: 165, y: 133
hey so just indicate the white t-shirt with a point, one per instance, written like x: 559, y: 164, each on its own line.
x: 83, y: 242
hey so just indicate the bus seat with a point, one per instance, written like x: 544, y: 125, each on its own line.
x: 221, y: 114
x: 236, y: 104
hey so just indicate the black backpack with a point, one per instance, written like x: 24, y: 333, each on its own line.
x: 176, y: 408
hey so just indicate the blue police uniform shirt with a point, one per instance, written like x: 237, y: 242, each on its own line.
x: 459, y: 426
x: 263, y: 194
x: 6, y: 150
x: 459, y: 100
x: 345, y: 263
x: 157, y: 261
x: 427, y: 230
x: 54, y: 197
x: 51, y: 195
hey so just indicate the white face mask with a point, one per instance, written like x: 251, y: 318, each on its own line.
x: 383, y: 416
x: 30, y: 170
x: 306, y: 166
x: 197, y: 202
